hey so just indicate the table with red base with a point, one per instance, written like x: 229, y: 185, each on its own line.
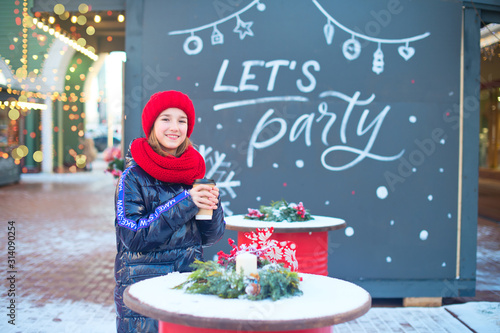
x: 311, y: 238
x: 325, y: 302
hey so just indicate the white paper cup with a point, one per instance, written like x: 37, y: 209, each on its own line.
x: 204, y: 214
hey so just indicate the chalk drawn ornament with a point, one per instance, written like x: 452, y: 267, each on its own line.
x: 351, y: 49
x: 329, y: 31
x: 221, y: 170
x: 378, y: 61
x: 406, y: 52
x: 197, y: 42
x: 243, y: 28
x: 217, y: 37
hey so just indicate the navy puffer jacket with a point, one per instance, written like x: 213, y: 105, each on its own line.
x: 156, y: 234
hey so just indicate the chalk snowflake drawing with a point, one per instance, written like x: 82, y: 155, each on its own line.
x: 218, y: 170
x: 352, y: 47
x: 194, y: 44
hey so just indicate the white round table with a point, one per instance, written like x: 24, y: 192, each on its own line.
x: 325, y: 302
x: 319, y: 223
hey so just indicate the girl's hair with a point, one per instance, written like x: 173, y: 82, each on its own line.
x: 155, y: 144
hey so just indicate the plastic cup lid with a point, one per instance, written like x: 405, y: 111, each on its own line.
x: 204, y: 181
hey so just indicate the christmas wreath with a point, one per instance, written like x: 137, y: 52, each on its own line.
x: 276, y: 275
x: 115, y: 167
x: 280, y: 211
x: 116, y: 164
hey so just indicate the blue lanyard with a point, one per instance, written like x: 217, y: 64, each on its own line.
x: 146, y: 221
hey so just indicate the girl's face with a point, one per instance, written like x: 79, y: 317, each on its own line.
x: 170, y: 129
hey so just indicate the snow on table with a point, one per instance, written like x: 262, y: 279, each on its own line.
x: 320, y: 223
x: 323, y: 297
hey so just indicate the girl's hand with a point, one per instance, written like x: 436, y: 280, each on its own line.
x: 205, y: 196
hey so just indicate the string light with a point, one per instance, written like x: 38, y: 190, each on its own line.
x: 81, y: 20
x: 83, y: 8
x: 59, y: 9
x: 22, y: 72
x: 78, y: 47
x: 29, y: 105
x: 64, y: 16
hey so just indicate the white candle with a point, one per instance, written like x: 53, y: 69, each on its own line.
x: 247, y: 262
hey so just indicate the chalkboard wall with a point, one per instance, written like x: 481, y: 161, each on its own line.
x: 350, y: 107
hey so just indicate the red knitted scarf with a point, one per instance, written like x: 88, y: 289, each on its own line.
x: 184, y: 169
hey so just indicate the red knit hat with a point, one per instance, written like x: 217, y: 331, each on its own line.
x: 163, y: 100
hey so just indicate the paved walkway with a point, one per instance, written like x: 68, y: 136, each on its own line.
x: 65, y: 248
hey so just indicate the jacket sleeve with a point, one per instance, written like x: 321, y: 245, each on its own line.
x: 212, y: 230
x: 140, y: 230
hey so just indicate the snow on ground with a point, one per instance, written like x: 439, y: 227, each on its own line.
x: 479, y: 316
x: 62, y: 317
x: 81, y: 317
x: 420, y: 320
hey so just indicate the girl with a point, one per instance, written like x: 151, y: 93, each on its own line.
x: 155, y: 205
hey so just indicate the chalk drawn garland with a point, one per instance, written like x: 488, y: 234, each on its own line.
x: 242, y: 28
x: 350, y: 50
